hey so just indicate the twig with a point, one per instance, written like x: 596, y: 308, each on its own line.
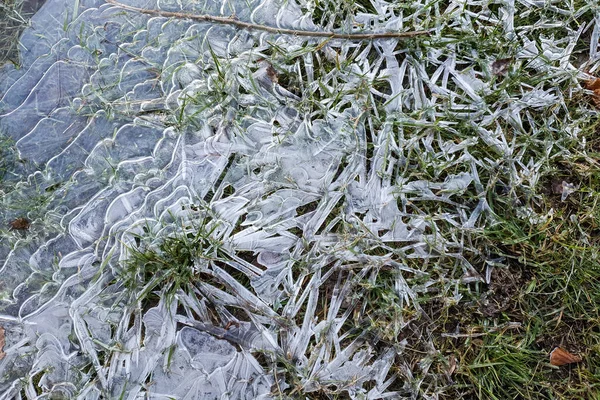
x: 282, y: 31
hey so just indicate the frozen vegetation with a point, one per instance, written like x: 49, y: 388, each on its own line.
x: 225, y: 213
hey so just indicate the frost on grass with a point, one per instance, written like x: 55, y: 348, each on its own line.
x: 222, y: 213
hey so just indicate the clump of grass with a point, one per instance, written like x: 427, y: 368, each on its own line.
x: 168, y: 265
x: 339, y: 14
x: 503, y: 367
x: 13, y: 20
x: 8, y: 159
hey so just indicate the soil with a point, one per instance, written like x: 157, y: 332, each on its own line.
x: 503, y: 291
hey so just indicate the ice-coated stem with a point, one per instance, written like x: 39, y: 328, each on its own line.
x: 282, y: 31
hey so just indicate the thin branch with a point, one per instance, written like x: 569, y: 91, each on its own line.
x: 282, y: 31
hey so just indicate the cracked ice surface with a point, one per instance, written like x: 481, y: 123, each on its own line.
x: 134, y: 128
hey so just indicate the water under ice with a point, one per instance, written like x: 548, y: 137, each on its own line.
x: 131, y: 129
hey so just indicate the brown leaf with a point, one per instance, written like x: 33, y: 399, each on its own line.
x: 451, y: 365
x: 21, y: 224
x: 560, y: 356
x: 267, y: 69
x: 594, y: 86
x: 272, y: 74
x: 2, y: 342
x: 557, y: 186
x: 500, y: 67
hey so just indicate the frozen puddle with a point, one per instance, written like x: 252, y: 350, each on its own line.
x: 131, y: 131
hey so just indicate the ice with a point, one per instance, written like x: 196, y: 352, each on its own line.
x: 308, y: 165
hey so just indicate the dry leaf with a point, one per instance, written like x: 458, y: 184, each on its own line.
x: 21, y: 224
x: 451, y: 365
x: 557, y: 186
x: 500, y: 67
x: 560, y: 356
x: 2, y: 342
x: 272, y: 74
x: 451, y: 368
x: 267, y: 70
x: 594, y: 86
